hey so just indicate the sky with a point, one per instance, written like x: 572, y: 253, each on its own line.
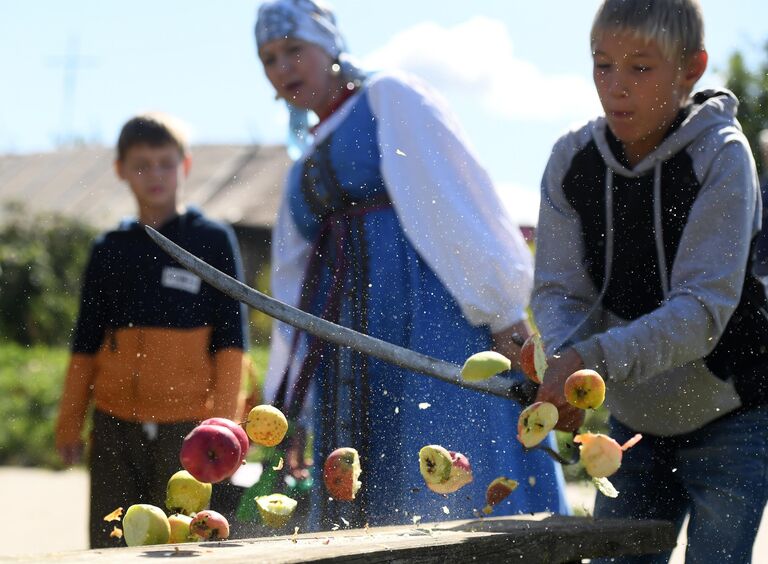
x: 517, y: 74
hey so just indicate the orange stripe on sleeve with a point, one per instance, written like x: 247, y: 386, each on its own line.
x: 75, y: 399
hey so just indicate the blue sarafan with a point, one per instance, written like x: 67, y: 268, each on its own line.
x: 396, y: 231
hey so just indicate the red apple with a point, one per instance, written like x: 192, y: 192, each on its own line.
x: 209, y: 525
x: 341, y: 472
x: 533, y: 361
x: 585, y: 389
x: 236, y: 428
x: 497, y: 491
x: 211, y: 453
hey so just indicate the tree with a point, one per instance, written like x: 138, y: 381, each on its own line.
x: 41, y: 260
x: 751, y: 88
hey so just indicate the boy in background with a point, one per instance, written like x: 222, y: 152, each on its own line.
x: 155, y: 350
x: 643, y: 273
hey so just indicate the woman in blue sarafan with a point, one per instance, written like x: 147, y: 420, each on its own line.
x: 390, y: 226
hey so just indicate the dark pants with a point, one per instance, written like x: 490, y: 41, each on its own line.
x: 718, y: 475
x: 128, y: 466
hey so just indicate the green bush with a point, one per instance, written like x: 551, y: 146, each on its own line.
x: 31, y: 379
x: 30, y: 387
x: 41, y: 260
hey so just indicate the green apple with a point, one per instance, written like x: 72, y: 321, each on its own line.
x: 483, y: 365
x: 186, y: 494
x: 145, y: 524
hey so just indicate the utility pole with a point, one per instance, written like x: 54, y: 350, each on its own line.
x: 72, y: 63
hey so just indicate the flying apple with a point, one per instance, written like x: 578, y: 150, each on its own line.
x: 211, y: 453
x: 145, y: 524
x: 209, y: 525
x: 459, y: 476
x: 435, y: 464
x: 237, y: 429
x: 179, y: 528
x: 483, y: 365
x: 266, y: 425
x: 533, y: 360
x: 600, y: 454
x: 341, y: 471
x: 585, y: 389
x: 497, y: 491
x: 535, y: 422
x: 276, y: 509
x: 186, y: 494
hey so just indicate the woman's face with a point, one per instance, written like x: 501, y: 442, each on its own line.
x: 301, y: 74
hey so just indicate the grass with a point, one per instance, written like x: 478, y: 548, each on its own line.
x: 31, y: 380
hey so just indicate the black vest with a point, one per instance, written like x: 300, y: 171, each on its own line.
x: 634, y: 288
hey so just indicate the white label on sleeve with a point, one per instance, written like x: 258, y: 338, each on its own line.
x: 180, y: 279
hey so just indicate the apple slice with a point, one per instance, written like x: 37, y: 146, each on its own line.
x: 535, y: 422
x: 276, y: 509
x: 600, y: 454
x: 483, y: 365
x: 533, y: 360
x: 459, y: 476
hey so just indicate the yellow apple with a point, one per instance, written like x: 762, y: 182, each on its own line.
x: 266, y: 425
x: 585, y: 389
x: 180, y: 528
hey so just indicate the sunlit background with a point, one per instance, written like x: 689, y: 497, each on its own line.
x: 517, y: 73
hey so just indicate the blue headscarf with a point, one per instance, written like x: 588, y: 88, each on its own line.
x: 314, y: 22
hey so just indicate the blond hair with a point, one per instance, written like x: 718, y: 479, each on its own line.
x: 677, y: 26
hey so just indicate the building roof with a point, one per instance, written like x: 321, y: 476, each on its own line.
x: 239, y: 184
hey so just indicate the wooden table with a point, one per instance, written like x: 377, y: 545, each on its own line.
x: 540, y: 538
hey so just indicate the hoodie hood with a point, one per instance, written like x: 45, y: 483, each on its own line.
x: 709, y: 109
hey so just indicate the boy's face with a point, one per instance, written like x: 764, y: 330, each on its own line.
x: 153, y: 174
x: 300, y: 72
x: 640, y: 89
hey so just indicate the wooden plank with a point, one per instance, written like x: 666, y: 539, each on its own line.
x: 533, y: 539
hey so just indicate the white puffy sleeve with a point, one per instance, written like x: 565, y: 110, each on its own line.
x: 447, y: 204
x: 290, y: 256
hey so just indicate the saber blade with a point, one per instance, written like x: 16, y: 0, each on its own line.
x: 329, y: 331
x: 521, y: 392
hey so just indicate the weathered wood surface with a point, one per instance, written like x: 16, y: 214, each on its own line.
x: 530, y: 539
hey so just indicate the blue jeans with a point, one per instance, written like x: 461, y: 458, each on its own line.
x: 718, y: 475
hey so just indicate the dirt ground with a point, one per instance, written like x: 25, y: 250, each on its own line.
x: 50, y: 511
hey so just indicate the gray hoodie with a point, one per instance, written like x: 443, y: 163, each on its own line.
x: 646, y: 271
